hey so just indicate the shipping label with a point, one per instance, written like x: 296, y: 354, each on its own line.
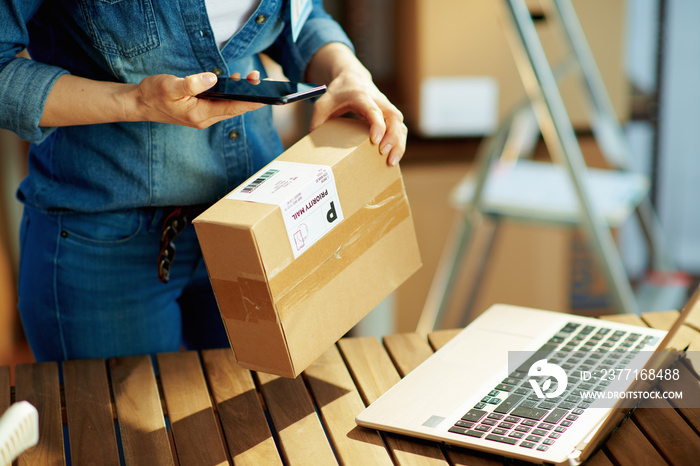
x: 305, y: 193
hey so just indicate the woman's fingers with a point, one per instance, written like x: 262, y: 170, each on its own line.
x: 387, y: 129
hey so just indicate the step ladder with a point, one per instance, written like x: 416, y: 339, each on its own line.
x: 573, y: 194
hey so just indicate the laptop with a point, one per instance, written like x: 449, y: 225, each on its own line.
x: 528, y: 384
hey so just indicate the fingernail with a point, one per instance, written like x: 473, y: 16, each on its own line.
x: 208, y: 78
x: 376, y: 137
x: 386, y: 149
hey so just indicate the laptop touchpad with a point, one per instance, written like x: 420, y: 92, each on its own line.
x: 484, y: 350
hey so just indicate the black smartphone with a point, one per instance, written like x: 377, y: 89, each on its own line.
x: 263, y: 91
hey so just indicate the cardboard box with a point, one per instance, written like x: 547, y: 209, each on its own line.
x: 284, y: 298
x: 457, y: 75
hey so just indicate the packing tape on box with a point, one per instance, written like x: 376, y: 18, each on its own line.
x: 351, y: 227
x: 251, y: 296
x: 392, y: 210
x: 341, y: 246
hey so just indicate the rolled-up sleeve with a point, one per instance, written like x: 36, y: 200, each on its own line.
x: 24, y: 83
x: 318, y: 30
x: 24, y: 88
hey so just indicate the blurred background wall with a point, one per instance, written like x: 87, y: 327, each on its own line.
x: 450, y: 70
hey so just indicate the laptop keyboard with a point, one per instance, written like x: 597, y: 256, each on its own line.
x: 514, y: 414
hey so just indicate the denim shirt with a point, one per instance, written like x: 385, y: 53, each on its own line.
x: 116, y: 166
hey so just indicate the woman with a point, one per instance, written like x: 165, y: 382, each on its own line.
x: 123, y: 152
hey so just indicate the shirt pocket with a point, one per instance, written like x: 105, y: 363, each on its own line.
x: 126, y: 28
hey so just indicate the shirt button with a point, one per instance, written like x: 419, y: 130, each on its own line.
x: 261, y: 19
x: 233, y: 135
x: 217, y: 71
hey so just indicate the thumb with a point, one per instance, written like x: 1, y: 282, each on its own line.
x: 197, y: 83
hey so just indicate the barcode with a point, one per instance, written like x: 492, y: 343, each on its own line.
x: 250, y: 187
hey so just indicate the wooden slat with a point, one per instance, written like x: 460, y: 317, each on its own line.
x: 464, y: 457
x: 242, y: 418
x: 692, y: 362
x: 664, y: 320
x: 5, y: 390
x: 374, y: 373
x: 193, y: 424
x: 439, y: 338
x: 675, y: 439
x: 139, y: 412
x: 38, y: 384
x: 298, y: 427
x: 629, y: 447
x: 686, y: 336
x: 693, y: 319
x: 599, y: 459
x: 370, y: 366
x: 660, y: 320
x: 407, y: 351
x: 339, y: 402
x: 692, y: 357
x: 689, y: 386
x: 89, y: 413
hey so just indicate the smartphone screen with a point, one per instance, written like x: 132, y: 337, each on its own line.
x: 264, y: 91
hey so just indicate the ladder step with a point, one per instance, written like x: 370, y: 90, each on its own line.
x: 542, y: 191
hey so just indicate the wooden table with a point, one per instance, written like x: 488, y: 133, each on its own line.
x: 201, y: 408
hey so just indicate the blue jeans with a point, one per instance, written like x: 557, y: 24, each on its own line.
x: 89, y: 288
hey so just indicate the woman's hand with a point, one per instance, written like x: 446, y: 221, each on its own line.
x: 161, y: 98
x: 350, y: 89
x: 168, y: 99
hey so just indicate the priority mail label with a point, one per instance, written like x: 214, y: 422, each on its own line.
x: 306, y: 195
